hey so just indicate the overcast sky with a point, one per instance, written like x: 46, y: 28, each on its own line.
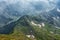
x: 34, y: 5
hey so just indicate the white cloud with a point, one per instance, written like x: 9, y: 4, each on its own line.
x: 51, y: 0
x: 58, y: 9
x: 27, y: 4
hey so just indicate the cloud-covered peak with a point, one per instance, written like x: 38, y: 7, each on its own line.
x: 17, y: 8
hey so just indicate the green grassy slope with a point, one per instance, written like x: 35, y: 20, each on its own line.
x: 24, y: 27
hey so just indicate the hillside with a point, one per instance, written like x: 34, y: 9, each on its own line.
x: 30, y: 28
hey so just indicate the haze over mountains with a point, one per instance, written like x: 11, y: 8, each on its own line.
x: 30, y: 19
x: 16, y: 8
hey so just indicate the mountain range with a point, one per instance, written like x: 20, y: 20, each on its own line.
x: 29, y: 20
x: 32, y: 25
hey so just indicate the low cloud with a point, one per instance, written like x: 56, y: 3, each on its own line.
x: 30, y: 6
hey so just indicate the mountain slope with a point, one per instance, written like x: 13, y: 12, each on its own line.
x: 13, y: 31
x: 31, y: 25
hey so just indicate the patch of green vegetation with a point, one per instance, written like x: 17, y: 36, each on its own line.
x: 23, y: 27
x: 16, y: 35
x: 44, y: 33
